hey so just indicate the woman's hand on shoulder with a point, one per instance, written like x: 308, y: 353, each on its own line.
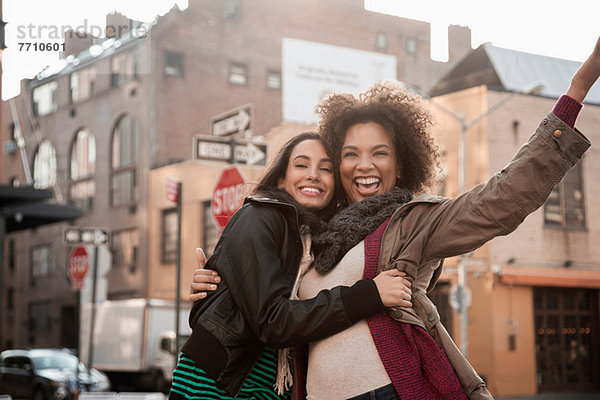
x: 586, y: 75
x: 394, y: 289
x: 204, y: 280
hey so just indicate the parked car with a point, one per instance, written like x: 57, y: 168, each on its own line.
x: 47, y: 374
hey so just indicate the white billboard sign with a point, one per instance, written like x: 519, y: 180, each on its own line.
x: 311, y: 71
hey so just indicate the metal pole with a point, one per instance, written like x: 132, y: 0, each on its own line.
x: 462, y: 267
x: 178, y: 281
x: 78, y: 325
x: 90, y: 359
x: 2, y: 314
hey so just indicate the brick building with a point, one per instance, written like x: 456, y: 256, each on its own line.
x: 100, y: 120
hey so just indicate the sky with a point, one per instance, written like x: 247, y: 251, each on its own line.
x: 533, y: 26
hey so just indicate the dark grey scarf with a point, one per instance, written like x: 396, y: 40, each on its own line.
x: 351, y: 225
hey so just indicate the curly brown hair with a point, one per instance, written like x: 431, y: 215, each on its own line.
x: 403, y: 115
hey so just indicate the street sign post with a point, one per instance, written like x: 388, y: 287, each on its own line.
x: 234, y: 122
x: 233, y: 151
x: 249, y: 153
x: 227, y: 196
x: 83, y: 235
x: 459, y: 297
x: 79, y: 236
x: 208, y: 147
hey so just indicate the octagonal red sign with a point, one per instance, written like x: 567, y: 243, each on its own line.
x: 79, y: 265
x: 228, y: 196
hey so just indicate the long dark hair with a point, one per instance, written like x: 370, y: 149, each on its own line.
x: 268, y: 184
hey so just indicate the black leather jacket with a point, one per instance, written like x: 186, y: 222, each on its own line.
x: 258, y: 257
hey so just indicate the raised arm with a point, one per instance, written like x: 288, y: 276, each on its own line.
x: 586, y: 76
x: 498, y: 206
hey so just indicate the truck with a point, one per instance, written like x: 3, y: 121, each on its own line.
x: 134, y: 341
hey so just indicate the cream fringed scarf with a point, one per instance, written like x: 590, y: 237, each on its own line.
x: 284, y: 373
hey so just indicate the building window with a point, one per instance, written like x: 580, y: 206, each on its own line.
x: 238, y: 74
x: 566, y: 338
x: 565, y: 206
x: 274, y: 79
x: 10, y: 303
x: 82, y: 84
x: 44, y: 99
x: 13, y: 132
x: 44, y: 166
x: 10, y: 146
x: 124, y: 246
x: 168, y: 239
x: 83, y: 163
x: 123, y: 68
x: 210, y: 233
x: 40, y: 318
x: 12, y: 255
x: 411, y: 46
x: 124, y: 159
x: 41, y: 264
x: 381, y: 41
x: 231, y: 8
x: 174, y: 65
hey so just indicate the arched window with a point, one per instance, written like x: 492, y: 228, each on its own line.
x: 123, y: 187
x: 44, y: 166
x: 82, y: 186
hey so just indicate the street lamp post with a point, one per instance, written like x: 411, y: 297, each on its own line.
x: 533, y: 88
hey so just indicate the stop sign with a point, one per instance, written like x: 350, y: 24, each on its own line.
x: 227, y: 196
x: 79, y: 266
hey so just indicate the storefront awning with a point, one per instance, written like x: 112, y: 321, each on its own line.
x: 558, y: 277
x: 26, y: 207
x: 33, y: 215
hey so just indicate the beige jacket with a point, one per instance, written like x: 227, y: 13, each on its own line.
x: 424, y: 231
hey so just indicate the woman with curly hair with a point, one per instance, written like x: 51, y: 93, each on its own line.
x: 384, y: 157
x: 384, y: 154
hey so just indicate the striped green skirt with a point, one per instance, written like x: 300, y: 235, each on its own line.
x: 192, y: 383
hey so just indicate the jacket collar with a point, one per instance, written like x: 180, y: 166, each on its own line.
x: 287, y: 208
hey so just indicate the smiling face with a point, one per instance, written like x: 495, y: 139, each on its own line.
x: 368, y: 163
x: 309, y: 175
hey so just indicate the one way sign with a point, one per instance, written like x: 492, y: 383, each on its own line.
x: 249, y: 153
x: 233, y: 151
x: 234, y: 122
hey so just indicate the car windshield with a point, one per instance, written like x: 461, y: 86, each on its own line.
x: 55, y: 361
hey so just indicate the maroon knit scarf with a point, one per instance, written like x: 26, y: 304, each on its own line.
x: 415, y: 363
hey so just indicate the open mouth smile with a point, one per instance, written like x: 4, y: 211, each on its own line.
x: 367, y: 185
